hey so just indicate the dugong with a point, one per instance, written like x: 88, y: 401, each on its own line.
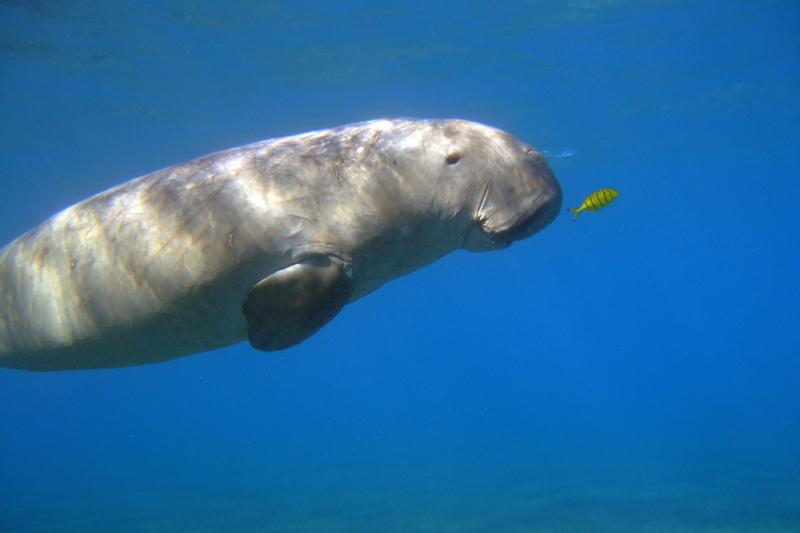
x: 266, y: 242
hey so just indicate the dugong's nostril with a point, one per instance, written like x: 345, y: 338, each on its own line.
x: 533, y: 153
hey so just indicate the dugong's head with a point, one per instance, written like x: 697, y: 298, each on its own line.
x: 519, y: 196
x: 495, y: 188
x: 424, y: 188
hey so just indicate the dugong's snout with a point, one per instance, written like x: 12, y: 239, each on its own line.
x: 516, y: 205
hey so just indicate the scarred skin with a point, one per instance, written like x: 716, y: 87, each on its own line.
x: 159, y: 267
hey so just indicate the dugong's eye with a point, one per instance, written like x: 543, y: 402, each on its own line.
x: 453, y: 158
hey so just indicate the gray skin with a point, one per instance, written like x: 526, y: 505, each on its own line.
x: 265, y: 242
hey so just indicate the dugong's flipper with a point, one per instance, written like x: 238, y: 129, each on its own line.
x: 287, y: 307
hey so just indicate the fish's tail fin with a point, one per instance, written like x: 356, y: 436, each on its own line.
x: 575, y: 212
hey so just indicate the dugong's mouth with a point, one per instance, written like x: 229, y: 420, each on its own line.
x: 483, y: 238
x: 529, y: 225
x: 479, y: 239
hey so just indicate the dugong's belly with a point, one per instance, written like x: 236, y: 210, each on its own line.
x: 154, y: 269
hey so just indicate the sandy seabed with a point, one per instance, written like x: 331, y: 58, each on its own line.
x: 423, y: 502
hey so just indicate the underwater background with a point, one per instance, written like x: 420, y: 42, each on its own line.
x: 636, y: 370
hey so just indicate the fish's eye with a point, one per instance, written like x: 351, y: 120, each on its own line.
x: 453, y: 158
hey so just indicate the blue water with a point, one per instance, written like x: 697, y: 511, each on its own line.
x: 636, y: 370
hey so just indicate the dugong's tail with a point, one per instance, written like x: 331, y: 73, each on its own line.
x: 8, y: 319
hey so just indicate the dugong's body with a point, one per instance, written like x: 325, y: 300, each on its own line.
x: 267, y: 242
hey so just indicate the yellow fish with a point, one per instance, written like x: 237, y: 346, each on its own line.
x: 595, y: 201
